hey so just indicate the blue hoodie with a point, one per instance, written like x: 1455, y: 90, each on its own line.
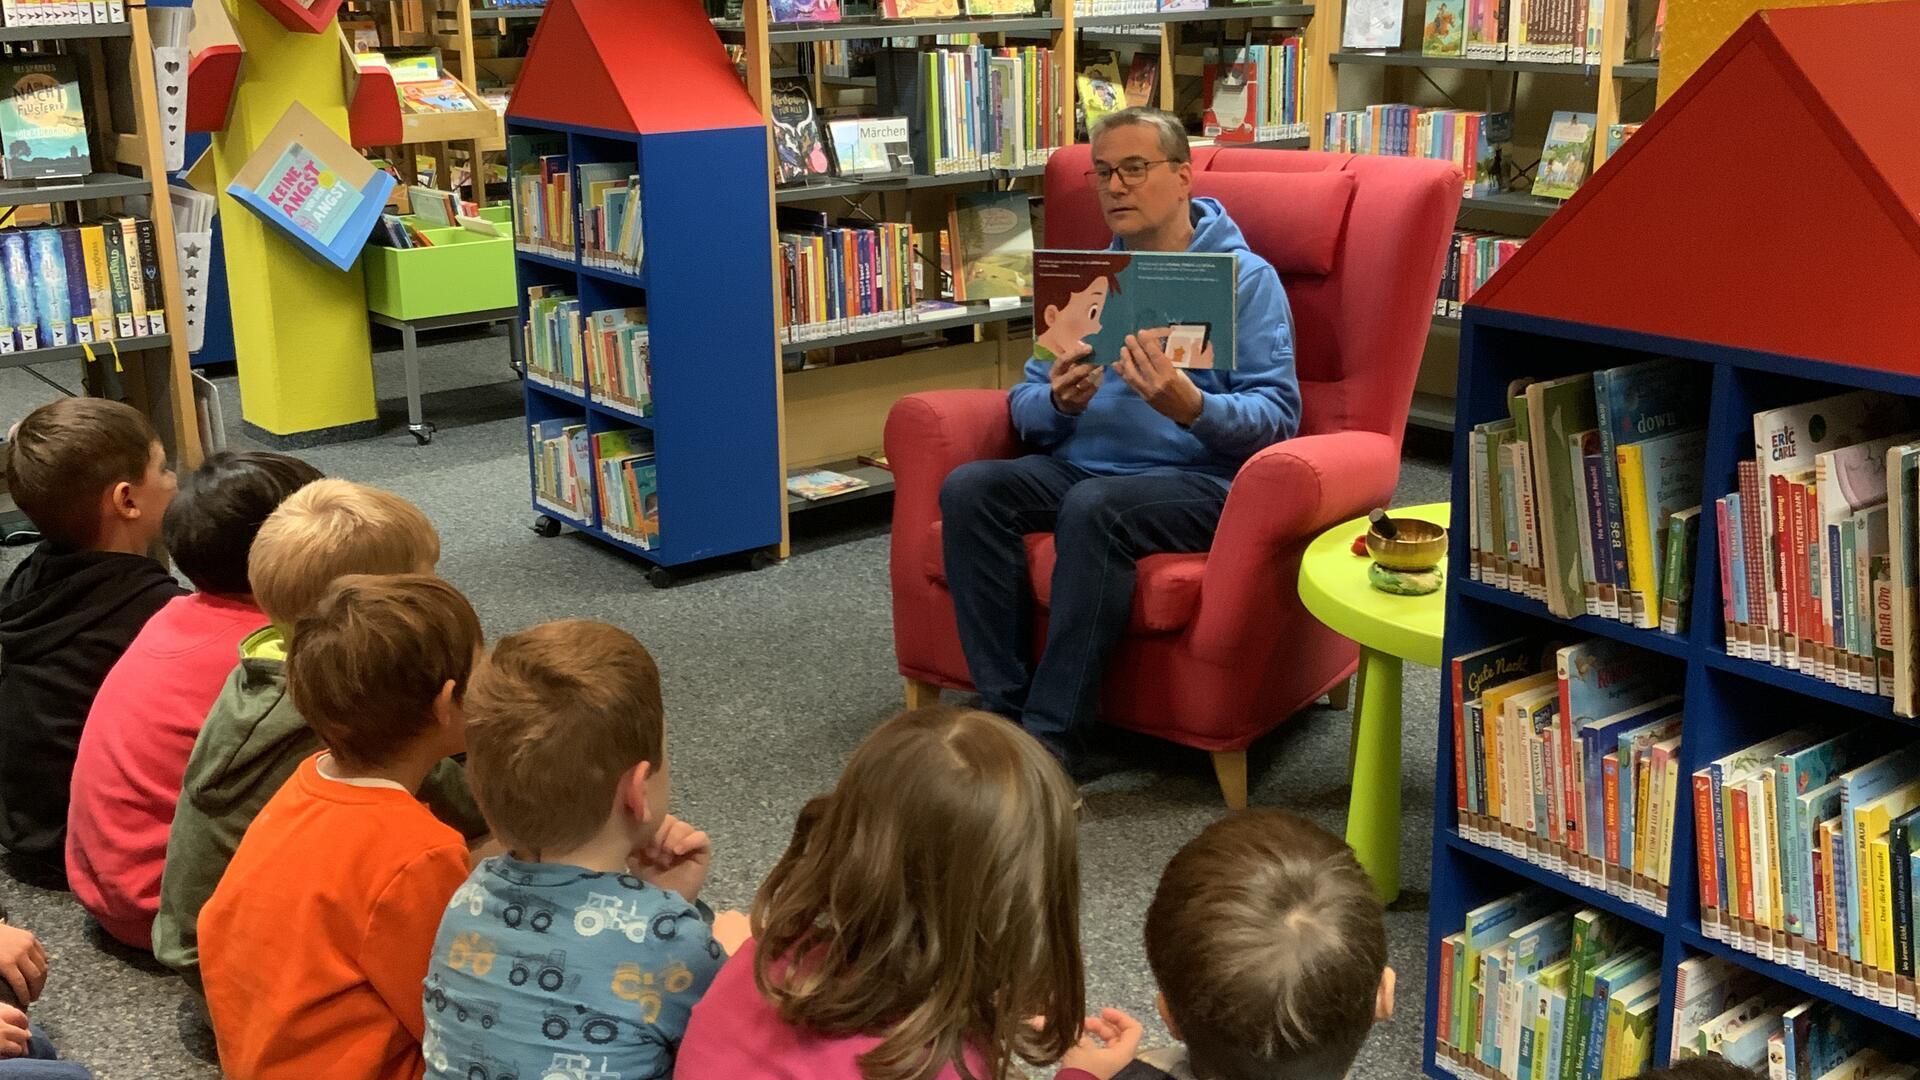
x: 1244, y: 410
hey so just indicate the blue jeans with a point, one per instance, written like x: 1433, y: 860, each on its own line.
x: 1102, y: 526
x: 40, y: 1064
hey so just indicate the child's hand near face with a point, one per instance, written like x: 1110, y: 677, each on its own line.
x: 1109, y: 1045
x: 677, y: 859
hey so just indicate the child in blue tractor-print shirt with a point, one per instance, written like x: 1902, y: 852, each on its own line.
x: 580, y: 954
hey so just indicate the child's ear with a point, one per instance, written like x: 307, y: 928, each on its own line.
x: 1383, y: 1000
x: 120, y: 498
x: 446, y: 710
x: 633, y: 790
x: 1166, y: 1017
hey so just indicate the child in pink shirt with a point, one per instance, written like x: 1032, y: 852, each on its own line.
x: 924, y: 912
x: 134, y: 748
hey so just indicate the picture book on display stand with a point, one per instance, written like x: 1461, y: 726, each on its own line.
x: 1679, y: 770
x: 313, y: 188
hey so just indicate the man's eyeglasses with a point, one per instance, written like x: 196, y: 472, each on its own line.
x: 1131, y: 172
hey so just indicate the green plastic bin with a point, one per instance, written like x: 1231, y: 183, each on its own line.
x: 463, y: 271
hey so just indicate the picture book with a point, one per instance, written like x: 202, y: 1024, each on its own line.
x: 870, y: 146
x: 441, y: 95
x: 806, y: 11
x: 1658, y: 477
x: 1100, y: 88
x: 1635, y: 402
x: 823, y: 484
x: 1233, y: 90
x: 1559, y: 408
x: 1099, y: 297
x: 314, y: 198
x: 1143, y: 79
x: 1372, y: 24
x: 992, y: 245
x: 999, y: 7
x: 42, y: 121
x: 1444, y: 32
x: 921, y: 9
x: 1566, y: 155
x: 800, y: 151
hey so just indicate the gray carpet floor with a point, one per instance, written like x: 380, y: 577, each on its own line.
x: 771, y: 679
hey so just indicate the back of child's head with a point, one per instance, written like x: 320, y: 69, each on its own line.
x: 67, y: 454
x: 219, y: 509
x: 933, y: 900
x: 557, y: 714
x: 1269, y: 946
x: 368, y: 663
x: 1701, y: 1069
x: 326, y: 530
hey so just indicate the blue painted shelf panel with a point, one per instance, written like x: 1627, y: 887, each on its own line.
x: 1730, y: 701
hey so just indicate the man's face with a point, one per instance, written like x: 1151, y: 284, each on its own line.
x: 1159, y: 199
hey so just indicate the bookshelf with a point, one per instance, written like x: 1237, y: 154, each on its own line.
x: 833, y: 405
x: 1697, y: 263
x: 658, y: 97
x: 117, y: 88
x: 1614, y: 88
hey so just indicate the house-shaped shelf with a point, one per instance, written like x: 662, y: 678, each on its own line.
x: 1763, y: 228
x: 650, y: 86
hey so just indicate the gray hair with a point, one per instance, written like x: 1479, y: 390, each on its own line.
x: 1173, y: 134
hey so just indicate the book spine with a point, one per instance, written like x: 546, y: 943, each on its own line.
x: 1633, y: 512
x: 1786, y: 588
x: 1458, y: 670
x: 1724, y: 552
x: 150, y: 276
x: 79, y: 299
x: 1754, y: 558
x: 1704, y: 849
x: 1596, y: 517
x: 118, y: 277
x: 93, y: 248
x: 1610, y: 470
x: 1742, y: 849
x: 129, y: 238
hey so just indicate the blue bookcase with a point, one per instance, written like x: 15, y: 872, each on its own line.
x: 1646, y: 263
x: 706, y: 278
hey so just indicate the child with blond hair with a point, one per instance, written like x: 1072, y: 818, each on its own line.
x: 255, y: 736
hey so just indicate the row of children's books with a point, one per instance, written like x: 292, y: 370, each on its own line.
x: 610, y: 233
x: 603, y: 354
x: 1531, y: 989
x: 80, y: 284
x: 61, y: 12
x: 1817, y: 544
x: 841, y: 278
x: 1471, y: 140
x: 1472, y: 258
x: 543, y: 194
x: 1569, y: 757
x: 1537, y: 31
x: 1724, y: 1011
x: 561, y: 470
x: 1586, y: 496
x: 629, y: 486
x: 1257, y: 92
x: 973, y: 107
x: 1807, y: 856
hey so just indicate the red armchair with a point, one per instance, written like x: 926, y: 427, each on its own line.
x: 1220, y: 650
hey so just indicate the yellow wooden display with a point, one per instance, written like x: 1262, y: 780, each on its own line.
x: 1695, y: 28
x: 299, y: 327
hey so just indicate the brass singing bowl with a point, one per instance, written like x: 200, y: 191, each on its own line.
x: 1420, y: 546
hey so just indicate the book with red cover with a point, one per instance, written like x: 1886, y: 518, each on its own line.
x: 1233, y: 88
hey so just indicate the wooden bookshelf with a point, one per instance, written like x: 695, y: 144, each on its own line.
x: 1698, y: 265
x: 152, y: 372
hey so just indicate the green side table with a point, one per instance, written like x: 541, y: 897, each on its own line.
x: 1388, y: 629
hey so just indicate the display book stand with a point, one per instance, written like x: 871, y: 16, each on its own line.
x: 1647, y: 263
x: 1616, y: 88
x: 833, y: 411
x: 660, y: 93
x: 118, y: 90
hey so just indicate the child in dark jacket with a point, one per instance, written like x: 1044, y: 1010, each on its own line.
x: 93, y: 477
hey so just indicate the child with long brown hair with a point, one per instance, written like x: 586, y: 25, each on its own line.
x: 925, y: 911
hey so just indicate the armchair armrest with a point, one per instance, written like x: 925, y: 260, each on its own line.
x: 1283, y: 497
x: 929, y: 435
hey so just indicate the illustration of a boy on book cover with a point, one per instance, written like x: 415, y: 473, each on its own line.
x: 1185, y: 299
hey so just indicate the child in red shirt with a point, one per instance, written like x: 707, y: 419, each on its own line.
x: 316, y: 941
x: 924, y: 912
x: 133, y: 751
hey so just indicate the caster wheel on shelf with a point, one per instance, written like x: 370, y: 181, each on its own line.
x: 422, y: 433
x: 762, y: 559
x: 546, y: 527
x: 660, y: 577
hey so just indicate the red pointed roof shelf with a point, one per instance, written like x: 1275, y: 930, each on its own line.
x: 1772, y: 204
x: 627, y: 66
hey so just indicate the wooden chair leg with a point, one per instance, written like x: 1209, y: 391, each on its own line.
x: 921, y: 694
x: 1230, y: 766
x: 1341, y: 696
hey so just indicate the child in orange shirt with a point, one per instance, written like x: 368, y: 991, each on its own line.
x: 315, y: 943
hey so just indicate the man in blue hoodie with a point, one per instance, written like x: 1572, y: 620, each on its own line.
x: 1130, y: 465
